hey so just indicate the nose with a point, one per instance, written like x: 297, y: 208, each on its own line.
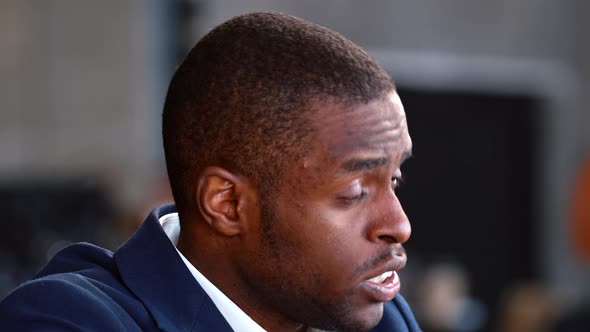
x: 389, y: 221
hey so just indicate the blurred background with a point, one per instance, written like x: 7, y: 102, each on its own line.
x: 496, y: 94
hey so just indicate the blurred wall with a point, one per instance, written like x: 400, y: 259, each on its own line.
x: 78, y: 81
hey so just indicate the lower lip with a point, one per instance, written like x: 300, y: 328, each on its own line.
x: 385, y: 291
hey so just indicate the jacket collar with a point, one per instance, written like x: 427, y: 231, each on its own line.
x: 151, y: 268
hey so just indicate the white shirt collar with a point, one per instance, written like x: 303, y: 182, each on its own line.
x: 237, y: 319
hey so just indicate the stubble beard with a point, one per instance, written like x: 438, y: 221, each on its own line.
x: 285, y: 293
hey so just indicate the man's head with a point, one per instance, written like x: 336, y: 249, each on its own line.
x: 241, y: 97
x: 283, y: 143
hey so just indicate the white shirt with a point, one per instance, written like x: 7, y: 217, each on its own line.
x: 237, y: 319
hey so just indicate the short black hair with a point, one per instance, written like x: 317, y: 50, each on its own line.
x: 242, y: 96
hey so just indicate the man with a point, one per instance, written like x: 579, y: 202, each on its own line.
x: 283, y: 144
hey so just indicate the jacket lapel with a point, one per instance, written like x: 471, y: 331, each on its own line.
x: 151, y: 268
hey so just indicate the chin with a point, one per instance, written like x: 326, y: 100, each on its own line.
x: 370, y: 317
x: 357, y: 319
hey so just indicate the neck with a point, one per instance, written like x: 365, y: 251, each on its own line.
x: 212, y: 257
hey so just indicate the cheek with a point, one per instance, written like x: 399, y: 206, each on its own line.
x: 329, y: 246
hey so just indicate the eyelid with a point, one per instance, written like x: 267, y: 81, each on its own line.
x: 355, y: 195
x: 354, y: 192
x: 350, y: 201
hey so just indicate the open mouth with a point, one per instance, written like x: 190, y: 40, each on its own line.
x: 382, y: 277
x: 383, y: 287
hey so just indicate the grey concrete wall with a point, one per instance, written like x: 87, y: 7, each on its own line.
x: 77, y: 80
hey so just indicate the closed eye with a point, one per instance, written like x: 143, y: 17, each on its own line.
x: 349, y: 200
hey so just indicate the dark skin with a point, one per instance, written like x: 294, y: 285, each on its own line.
x: 335, y: 223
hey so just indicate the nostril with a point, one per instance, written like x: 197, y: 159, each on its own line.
x: 387, y: 238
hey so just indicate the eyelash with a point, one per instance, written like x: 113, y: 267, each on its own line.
x: 396, y: 182
x: 347, y: 201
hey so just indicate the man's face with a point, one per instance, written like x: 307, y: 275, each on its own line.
x: 332, y: 242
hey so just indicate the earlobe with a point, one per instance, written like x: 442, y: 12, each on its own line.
x: 218, y: 196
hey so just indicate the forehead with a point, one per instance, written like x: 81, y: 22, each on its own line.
x: 375, y: 129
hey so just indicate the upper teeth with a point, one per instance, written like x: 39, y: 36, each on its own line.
x: 380, y: 278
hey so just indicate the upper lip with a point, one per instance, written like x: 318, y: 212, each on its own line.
x: 396, y: 263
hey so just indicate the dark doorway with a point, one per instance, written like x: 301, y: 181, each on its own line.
x: 469, y: 186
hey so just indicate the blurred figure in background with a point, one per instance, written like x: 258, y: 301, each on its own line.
x: 445, y: 303
x: 528, y: 307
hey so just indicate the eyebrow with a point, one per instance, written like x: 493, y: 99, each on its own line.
x: 355, y: 165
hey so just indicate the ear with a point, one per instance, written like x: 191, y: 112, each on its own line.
x: 222, y: 197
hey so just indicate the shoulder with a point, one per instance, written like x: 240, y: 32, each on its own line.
x: 397, y: 316
x: 79, y: 290
x: 56, y: 303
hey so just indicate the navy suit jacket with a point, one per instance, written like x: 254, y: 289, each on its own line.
x: 143, y: 286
